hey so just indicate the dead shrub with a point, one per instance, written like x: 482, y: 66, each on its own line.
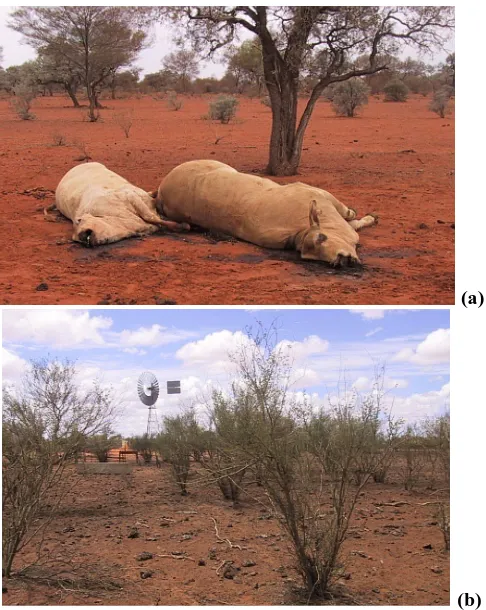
x: 21, y: 102
x: 124, y: 120
x: 45, y: 423
x: 174, y: 102
x: 58, y: 139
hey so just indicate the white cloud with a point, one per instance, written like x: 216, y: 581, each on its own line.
x: 362, y: 383
x: 12, y: 366
x: 304, y: 378
x: 57, y: 327
x: 374, y: 331
x: 153, y: 336
x: 365, y: 384
x: 419, y: 406
x: 299, y: 350
x: 212, y: 351
x: 435, y: 349
x: 369, y: 314
x: 135, y: 351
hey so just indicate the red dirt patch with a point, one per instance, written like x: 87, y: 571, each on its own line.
x: 397, y: 160
x: 392, y: 555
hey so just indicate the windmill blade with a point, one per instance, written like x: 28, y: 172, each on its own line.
x: 148, y: 388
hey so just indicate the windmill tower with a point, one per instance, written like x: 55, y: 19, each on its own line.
x: 148, y: 392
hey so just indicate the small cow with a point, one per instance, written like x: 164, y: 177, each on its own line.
x: 294, y: 216
x: 104, y: 207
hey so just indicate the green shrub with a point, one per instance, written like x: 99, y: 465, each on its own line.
x: 223, y: 108
x: 440, y: 101
x: 349, y: 96
x: 396, y: 91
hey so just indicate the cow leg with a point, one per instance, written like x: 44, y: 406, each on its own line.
x: 154, y: 219
x: 367, y: 221
x: 343, y: 210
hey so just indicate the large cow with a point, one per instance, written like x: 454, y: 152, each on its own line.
x: 294, y: 216
x: 104, y: 207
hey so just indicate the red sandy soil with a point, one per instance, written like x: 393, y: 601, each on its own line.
x: 386, y: 557
x: 397, y: 159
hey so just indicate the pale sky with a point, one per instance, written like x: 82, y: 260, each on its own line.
x: 193, y: 345
x: 149, y: 60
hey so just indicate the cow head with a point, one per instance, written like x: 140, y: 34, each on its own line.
x: 330, y: 248
x: 95, y: 230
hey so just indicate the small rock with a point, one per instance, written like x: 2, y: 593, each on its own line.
x: 134, y: 533
x: 422, y: 225
x: 441, y: 222
x: 436, y: 570
x: 428, y: 547
x: 144, y: 556
x: 42, y: 287
x: 165, y: 302
x: 248, y: 564
x: 146, y: 574
x: 201, y: 562
x: 103, y: 302
x: 229, y: 572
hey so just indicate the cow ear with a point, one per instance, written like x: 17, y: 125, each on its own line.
x: 153, y: 194
x: 313, y: 216
x: 321, y: 238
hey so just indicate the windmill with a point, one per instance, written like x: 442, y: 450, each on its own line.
x: 148, y: 392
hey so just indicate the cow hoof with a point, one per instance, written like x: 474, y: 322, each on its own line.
x: 373, y: 215
x: 352, y: 213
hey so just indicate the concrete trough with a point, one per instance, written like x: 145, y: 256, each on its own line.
x: 104, y: 467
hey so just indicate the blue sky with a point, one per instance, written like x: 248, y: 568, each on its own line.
x: 116, y: 345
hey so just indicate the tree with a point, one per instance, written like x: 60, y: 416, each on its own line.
x: 159, y: 81
x: 245, y: 64
x: 126, y: 80
x: 450, y: 70
x: 46, y: 421
x: 58, y: 69
x: 184, y: 64
x: 288, y: 34
x: 94, y: 39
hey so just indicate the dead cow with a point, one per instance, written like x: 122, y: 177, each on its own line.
x: 104, y: 207
x: 294, y: 216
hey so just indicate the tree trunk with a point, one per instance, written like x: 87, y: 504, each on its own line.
x: 284, y: 156
x: 72, y: 94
